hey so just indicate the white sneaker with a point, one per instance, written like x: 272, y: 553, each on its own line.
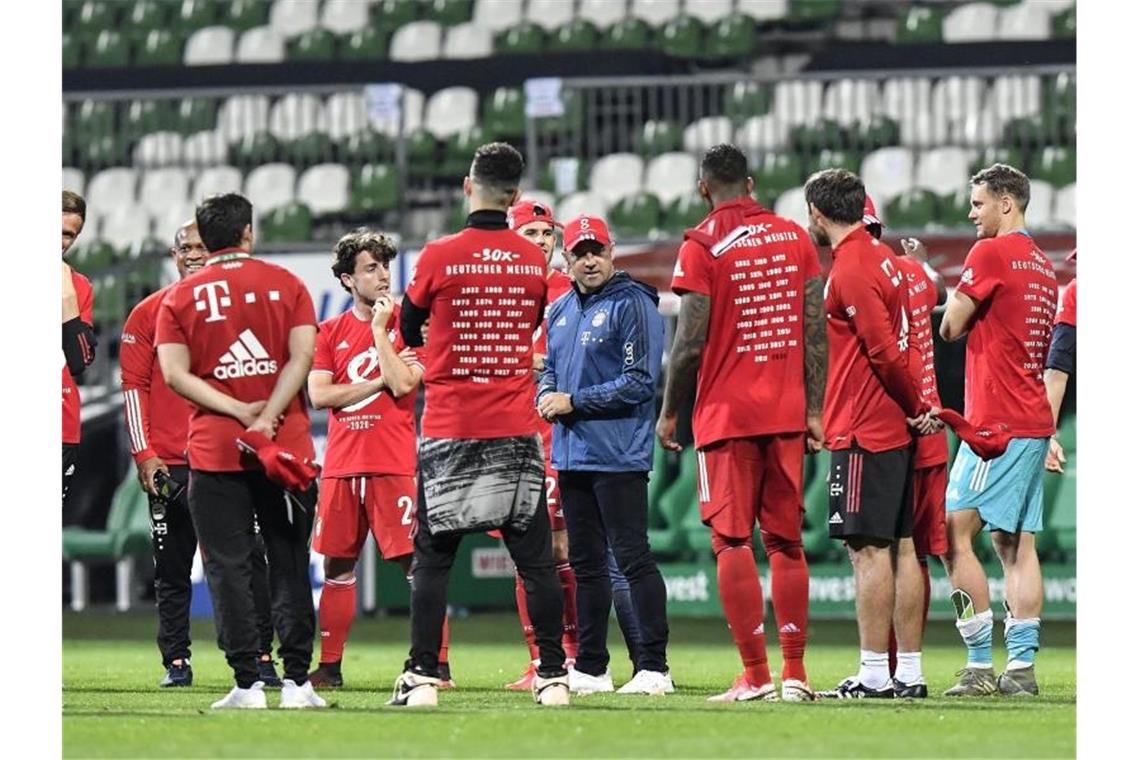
x: 793, y: 690
x: 584, y: 683
x: 252, y: 698
x: 294, y: 696
x: 649, y: 682
x: 552, y: 692
x: 413, y: 690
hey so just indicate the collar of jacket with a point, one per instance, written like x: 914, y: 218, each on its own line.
x: 487, y: 219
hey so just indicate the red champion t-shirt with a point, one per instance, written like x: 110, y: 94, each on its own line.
x: 1067, y: 314
x: 374, y: 436
x: 557, y: 284
x: 922, y: 294
x: 751, y: 377
x: 86, y: 298
x: 486, y: 291
x: 867, y: 307
x: 1016, y: 290
x: 235, y: 315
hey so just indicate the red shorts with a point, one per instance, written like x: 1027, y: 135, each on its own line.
x: 742, y: 480
x: 930, y: 511
x: 554, y: 499
x: 349, y: 507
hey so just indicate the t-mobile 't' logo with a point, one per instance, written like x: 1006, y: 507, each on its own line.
x: 217, y: 297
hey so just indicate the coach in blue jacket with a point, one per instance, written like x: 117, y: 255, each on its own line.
x: 605, y: 340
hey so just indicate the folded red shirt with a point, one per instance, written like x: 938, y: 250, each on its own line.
x: 281, y: 465
x: 987, y: 441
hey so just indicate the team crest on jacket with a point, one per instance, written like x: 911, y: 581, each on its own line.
x: 598, y: 319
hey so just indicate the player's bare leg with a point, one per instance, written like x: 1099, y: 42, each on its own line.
x: 971, y: 597
x: 908, y: 619
x: 336, y: 613
x: 1024, y: 597
x: 874, y: 562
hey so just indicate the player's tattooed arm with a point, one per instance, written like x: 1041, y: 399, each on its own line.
x: 815, y: 346
x: 684, y: 361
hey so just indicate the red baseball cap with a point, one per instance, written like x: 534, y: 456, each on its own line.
x: 585, y: 227
x: 870, y: 216
x: 526, y: 211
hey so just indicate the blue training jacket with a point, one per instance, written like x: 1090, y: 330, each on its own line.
x: 604, y: 349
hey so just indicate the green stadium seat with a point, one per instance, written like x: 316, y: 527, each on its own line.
x: 660, y: 478
x: 448, y: 12
x: 684, y: 213
x: 809, y: 138
x: 915, y: 209
x: 421, y: 150
x: 255, y: 149
x: 921, y: 25
x: 1055, y: 164
x: 195, y: 115
x: 457, y: 214
x: 683, y: 37
x: 377, y: 188
x: 1060, y: 107
x: 835, y: 158
x: 669, y: 536
x: 877, y: 132
x: 102, y: 152
x: 1067, y: 433
x: 1026, y: 132
x: 628, y: 34
x: 748, y: 99
x: 732, y: 37
x: 811, y: 12
x: 367, y: 44
x: 816, y: 534
x: 93, y: 18
x: 390, y: 15
x: 309, y: 150
x: 94, y: 118
x: 314, y: 45
x: 72, y: 46
x: 143, y: 17
x: 145, y: 116
x: 504, y: 113
x: 367, y: 147
x: 657, y: 137
x: 996, y: 155
x: 193, y: 15
x: 1063, y: 520
x: 110, y: 50
x: 1065, y: 23
x: 526, y: 37
x: 954, y: 209
x: 290, y: 223
x: 636, y: 216
x: 159, y: 47
x: 242, y: 15
x: 576, y: 36
x: 458, y: 151
x: 777, y: 172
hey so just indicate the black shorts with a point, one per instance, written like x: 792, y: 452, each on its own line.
x: 871, y: 494
x: 70, y: 461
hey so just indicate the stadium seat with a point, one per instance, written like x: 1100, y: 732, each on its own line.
x: 1015, y: 96
x: 72, y: 48
x: 832, y: 158
x: 422, y: 152
x: 142, y: 17
x: 615, y: 176
x: 957, y: 98
x: 671, y: 176
x: 168, y: 220
x: 954, y: 208
x: 110, y: 50
x: 497, y: 15
x: 204, y: 148
x: 1039, y: 214
x: 762, y: 133
x: 195, y: 114
x: 324, y: 188
x: 193, y: 15
x: 256, y: 149
x: 1065, y: 206
x: 657, y: 137
x: 314, y: 45
x: 811, y: 12
x: 705, y: 133
x: 377, y: 188
x: 410, y: 115
x: 92, y: 18
x: 1067, y: 432
x: 262, y: 44
x: 919, y: 25
x: 216, y: 179
x: 581, y: 202
x: 667, y: 538
x: 366, y: 147
x: 162, y: 188
x: 1023, y: 132
x: 943, y: 170
x: 816, y: 533
x: 1055, y: 164
x: 389, y: 15
x: 602, y: 13
x: 731, y: 37
x: 308, y: 150
x: 159, y: 48
x: 449, y: 12
x: 915, y: 209
x: 450, y: 111
x: 290, y: 18
x: 763, y: 10
x: 887, y: 172
x: 654, y: 12
x: 1061, y: 106
x: 156, y: 149
x: 124, y: 228
x: 776, y: 172
x: 628, y: 34
x: 111, y: 189
x: 798, y: 102
x: 549, y: 14
x: 848, y: 101
x: 923, y: 129
x: 269, y: 186
x: 1024, y: 21
x: 709, y: 12
x: 211, y: 46
x: 289, y: 223
x: 683, y: 37
x: 524, y: 37
x: 346, y: 113
x: 503, y: 114
x: 416, y: 41
x: 297, y: 115
x: 973, y: 22
x: 636, y: 216
x: 104, y: 151
x: 73, y: 180
x: 344, y: 16
x: 367, y: 44
x: 818, y: 135
x: 469, y: 40
x: 575, y: 36
x: 457, y: 151
x: 143, y: 116
x: 1063, y: 519
x: 878, y: 132
x: 981, y: 129
x: 747, y: 99
x: 791, y: 205
x: 1064, y: 24
x: 904, y: 96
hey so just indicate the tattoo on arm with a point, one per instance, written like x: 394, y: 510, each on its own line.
x: 685, y: 356
x: 815, y: 346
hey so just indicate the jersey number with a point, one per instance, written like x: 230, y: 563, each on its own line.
x: 407, y: 504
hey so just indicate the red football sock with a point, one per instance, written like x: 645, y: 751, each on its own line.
x: 569, y: 609
x: 743, y: 603
x: 446, y: 641
x: 337, y: 611
x: 524, y: 617
x: 789, y: 600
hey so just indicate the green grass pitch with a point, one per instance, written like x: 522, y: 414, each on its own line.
x: 112, y: 707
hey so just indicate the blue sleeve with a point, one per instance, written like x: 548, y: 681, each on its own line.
x: 1063, y: 349
x: 548, y: 380
x: 635, y: 384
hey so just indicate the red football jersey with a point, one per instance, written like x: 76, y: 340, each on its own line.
x: 158, y: 419
x: 1016, y: 290
x: 557, y: 284
x: 923, y: 297
x: 486, y: 289
x: 1067, y: 314
x: 374, y: 436
x: 867, y: 319
x: 751, y: 378
x: 86, y: 298
x: 235, y: 314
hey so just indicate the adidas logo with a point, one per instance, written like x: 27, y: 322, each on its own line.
x: 758, y: 630
x: 789, y: 628
x: 836, y: 519
x: 246, y: 358
x: 342, y: 345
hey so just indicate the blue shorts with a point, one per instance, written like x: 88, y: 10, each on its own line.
x: 1008, y: 491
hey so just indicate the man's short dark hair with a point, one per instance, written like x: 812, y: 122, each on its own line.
x: 724, y: 165
x: 361, y: 240
x: 1003, y: 179
x: 837, y: 194
x: 222, y: 219
x: 73, y: 203
x: 497, y: 168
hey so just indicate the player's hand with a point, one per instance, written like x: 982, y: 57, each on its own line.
x: 814, y: 437
x: 553, y: 404
x: 538, y: 362
x: 247, y: 413
x: 925, y: 423
x: 382, y: 313
x: 1055, y: 459
x: 666, y: 430
x: 914, y: 248
x: 147, y: 469
x: 409, y: 356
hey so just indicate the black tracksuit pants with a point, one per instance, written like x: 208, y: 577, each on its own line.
x: 223, y: 506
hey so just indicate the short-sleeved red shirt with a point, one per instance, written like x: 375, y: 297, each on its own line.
x: 867, y: 315
x: 1067, y: 314
x: 923, y: 297
x: 374, y: 436
x: 85, y: 295
x: 1015, y: 288
x: 486, y: 289
x: 751, y: 378
x: 235, y: 315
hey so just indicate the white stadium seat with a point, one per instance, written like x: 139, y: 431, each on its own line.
x: 760, y: 133
x: 973, y: 22
x: 923, y: 129
x: 708, y: 11
x: 270, y: 186
x: 166, y: 222
x: 297, y: 115
x: 465, y: 41
x: 416, y: 41
x: 582, y: 202
x: 977, y: 131
x: 671, y: 176
x: 209, y: 46
x: 655, y: 12
x: 215, y: 180
x: 887, y: 173
x: 1039, y: 213
x: 344, y: 16
x: 943, y: 170
x: 1028, y: 20
x: 293, y: 17
x: 412, y: 105
x: 324, y: 188
x: 162, y: 188
x: 798, y: 102
x: 549, y: 14
x: 904, y: 96
x: 615, y: 176
x: 346, y: 113
x: 73, y: 180
x: 848, y: 101
x: 262, y: 44
x: 243, y: 115
x: 1013, y: 97
x: 957, y: 98
x: 111, y: 189
x: 497, y: 15
x: 205, y: 148
x: 1065, y: 206
x: 602, y: 13
x: 763, y: 10
x: 791, y: 205
x: 159, y: 149
x: 450, y: 111
x: 125, y: 228
x: 704, y: 133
